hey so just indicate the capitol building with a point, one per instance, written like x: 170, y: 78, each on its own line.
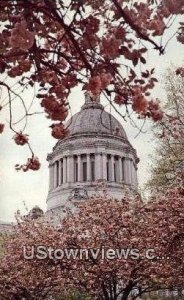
x: 96, y: 151
x: 95, y: 156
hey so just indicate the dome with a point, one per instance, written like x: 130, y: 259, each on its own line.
x: 96, y: 150
x: 93, y: 119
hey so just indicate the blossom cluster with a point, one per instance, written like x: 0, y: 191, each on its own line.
x: 31, y: 164
x: 103, y: 48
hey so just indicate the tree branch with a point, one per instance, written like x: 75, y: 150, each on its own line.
x: 136, y: 28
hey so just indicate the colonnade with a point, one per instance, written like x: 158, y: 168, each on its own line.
x: 92, y: 167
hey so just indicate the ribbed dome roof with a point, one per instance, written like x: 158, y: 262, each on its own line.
x: 95, y: 120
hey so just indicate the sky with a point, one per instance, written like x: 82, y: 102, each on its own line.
x: 21, y: 191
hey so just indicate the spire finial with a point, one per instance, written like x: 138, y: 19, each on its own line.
x: 90, y: 98
x: 87, y: 97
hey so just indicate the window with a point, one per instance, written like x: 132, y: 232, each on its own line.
x: 57, y: 173
x: 107, y: 170
x: 115, y: 172
x: 123, y: 168
x: 108, y: 167
x: 61, y: 172
x: 116, y: 169
x: 84, y: 169
x: 66, y: 169
x: 76, y: 171
x: 92, y: 170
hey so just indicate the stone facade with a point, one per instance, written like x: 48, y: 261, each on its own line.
x: 97, y: 150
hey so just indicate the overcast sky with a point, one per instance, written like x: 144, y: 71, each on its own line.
x: 32, y: 187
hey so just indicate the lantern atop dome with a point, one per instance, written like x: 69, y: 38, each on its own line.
x: 89, y: 98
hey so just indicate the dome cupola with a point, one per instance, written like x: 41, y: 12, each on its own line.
x: 93, y: 119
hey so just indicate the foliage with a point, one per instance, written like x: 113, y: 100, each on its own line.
x: 101, y: 223
x: 54, y: 45
x: 1, y: 245
x: 73, y: 295
x: 160, y: 296
x: 168, y: 168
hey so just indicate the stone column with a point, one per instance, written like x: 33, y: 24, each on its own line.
x: 104, y: 166
x: 120, y: 169
x: 50, y: 177
x: 88, y: 168
x: 79, y: 168
x: 135, y: 174
x: 130, y: 170
x: 64, y: 170
x: 112, y: 168
x: 68, y: 173
x: 55, y: 174
x: 136, y: 177
x: 70, y: 169
x: 127, y: 171
x: 98, y: 166
x: 123, y: 169
x: 135, y: 182
x: 59, y: 181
